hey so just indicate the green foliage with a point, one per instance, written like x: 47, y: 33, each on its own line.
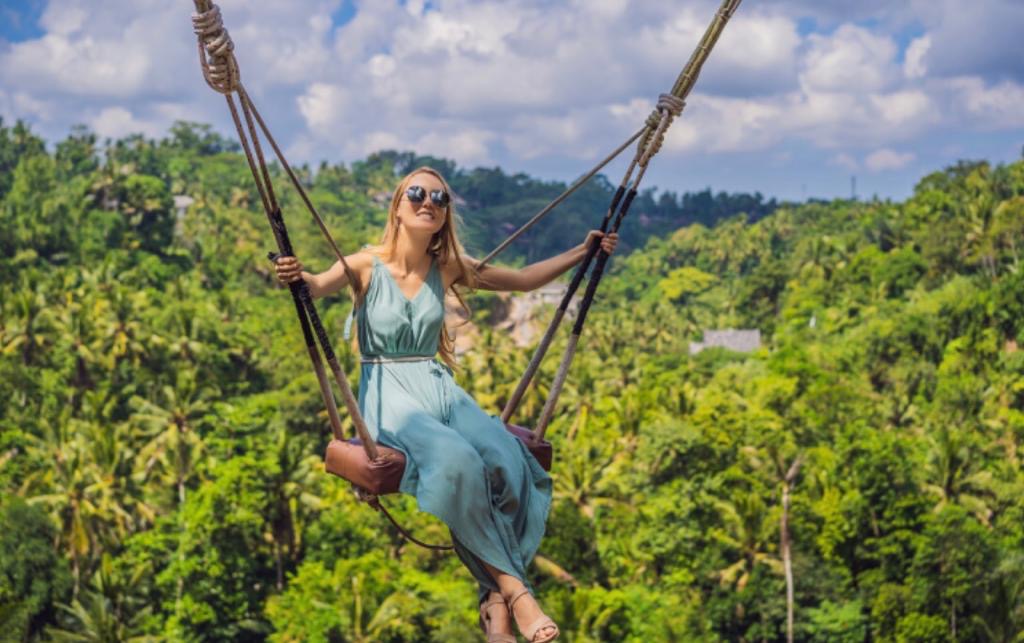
x: 16, y: 143
x: 161, y: 434
x: 33, y: 577
x: 223, y: 568
x: 837, y: 623
x: 682, y: 283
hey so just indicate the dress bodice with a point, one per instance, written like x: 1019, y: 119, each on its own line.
x: 393, y: 325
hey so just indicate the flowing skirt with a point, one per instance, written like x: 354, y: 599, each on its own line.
x: 461, y: 464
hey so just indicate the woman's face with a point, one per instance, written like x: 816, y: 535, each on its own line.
x: 418, y: 211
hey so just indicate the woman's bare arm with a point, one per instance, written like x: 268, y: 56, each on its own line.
x: 329, y: 281
x: 537, y: 274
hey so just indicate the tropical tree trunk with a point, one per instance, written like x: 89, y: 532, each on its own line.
x: 787, y: 562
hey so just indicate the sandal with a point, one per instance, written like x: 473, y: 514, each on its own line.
x: 531, y: 631
x: 485, y: 622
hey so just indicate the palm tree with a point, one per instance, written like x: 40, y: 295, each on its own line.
x: 785, y: 476
x: 392, y: 616
x: 27, y: 328
x: 1003, y: 621
x: 168, y: 427
x: 788, y: 479
x: 68, y: 488
x: 953, y: 474
x: 109, y: 612
x: 745, y: 533
x: 297, y: 471
x: 979, y: 242
x: 173, y: 445
x: 122, y: 335
x: 76, y: 323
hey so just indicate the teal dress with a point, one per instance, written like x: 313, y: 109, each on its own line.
x: 461, y: 463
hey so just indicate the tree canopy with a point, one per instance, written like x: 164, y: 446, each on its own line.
x: 161, y: 435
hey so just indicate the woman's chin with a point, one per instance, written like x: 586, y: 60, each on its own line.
x: 425, y: 226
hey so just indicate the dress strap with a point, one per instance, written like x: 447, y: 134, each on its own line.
x: 348, y: 322
x: 352, y: 311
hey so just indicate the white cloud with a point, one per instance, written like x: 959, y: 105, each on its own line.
x: 908, y: 108
x: 914, y: 65
x: 886, y: 159
x: 845, y: 161
x: 29, y: 106
x: 324, y: 106
x: 981, y: 38
x: 117, y: 122
x: 521, y: 82
x: 991, y: 106
x: 852, y: 59
x: 63, y: 20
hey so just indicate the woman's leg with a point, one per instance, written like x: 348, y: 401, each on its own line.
x: 526, y: 609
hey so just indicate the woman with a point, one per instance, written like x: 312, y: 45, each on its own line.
x: 461, y: 464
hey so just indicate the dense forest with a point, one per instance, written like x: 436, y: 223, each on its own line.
x: 161, y: 432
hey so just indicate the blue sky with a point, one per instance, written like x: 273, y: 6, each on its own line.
x: 798, y: 97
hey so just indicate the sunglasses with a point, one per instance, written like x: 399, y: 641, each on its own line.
x: 417, y: 195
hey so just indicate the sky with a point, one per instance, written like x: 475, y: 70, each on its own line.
x: 798, y: 97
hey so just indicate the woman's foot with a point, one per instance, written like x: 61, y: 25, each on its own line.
x: 532, y: 622
x: 495, y: 619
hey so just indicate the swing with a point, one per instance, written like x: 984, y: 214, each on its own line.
x: 373, y: 469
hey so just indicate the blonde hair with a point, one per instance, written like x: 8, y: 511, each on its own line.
x: 445, y: 246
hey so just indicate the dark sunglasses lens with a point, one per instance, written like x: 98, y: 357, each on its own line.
x: 440, y: 198
x: 416, y: 194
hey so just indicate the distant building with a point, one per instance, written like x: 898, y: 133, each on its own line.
x: 181, y: 203
x: 741, y: 341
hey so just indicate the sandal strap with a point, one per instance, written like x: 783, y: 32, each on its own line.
x: 485, y: 622
x: 512, y: 601
x: 530, y: 632
x: 486, y: 605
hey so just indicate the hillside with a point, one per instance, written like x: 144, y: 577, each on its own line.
x: 161, y: 435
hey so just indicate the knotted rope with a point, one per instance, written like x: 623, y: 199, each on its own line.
x: 221, y: 72
x: 668, y: 109
x: 220, y: 69
x: 669, y: 106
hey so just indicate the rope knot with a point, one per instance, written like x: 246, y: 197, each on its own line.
x: 668, y: 108
x: 220, y: 69
x: 365, y: 496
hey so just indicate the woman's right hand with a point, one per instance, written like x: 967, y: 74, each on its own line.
x: 288, y: 269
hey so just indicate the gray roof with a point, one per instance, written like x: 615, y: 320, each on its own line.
x: 741, y: 341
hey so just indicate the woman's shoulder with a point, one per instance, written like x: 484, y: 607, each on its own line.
x: 361, y: 263
x: 458, y: 270
x: 364, y: 257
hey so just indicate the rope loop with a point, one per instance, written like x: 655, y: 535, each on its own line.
x: 668, y: 108
x: 220, y: 69
x: 374, y: 501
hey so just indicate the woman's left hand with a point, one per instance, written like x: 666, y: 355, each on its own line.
x: 608, y: 241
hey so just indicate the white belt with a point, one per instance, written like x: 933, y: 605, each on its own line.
x: 392, y: 360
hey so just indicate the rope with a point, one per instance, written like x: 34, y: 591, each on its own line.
x: 669, y: 106
x: 220, y: 69
x: 561, y: 197
x: 374, y: 501
x: 221, y: 73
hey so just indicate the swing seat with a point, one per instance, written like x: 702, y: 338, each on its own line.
x: 347, y: 459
